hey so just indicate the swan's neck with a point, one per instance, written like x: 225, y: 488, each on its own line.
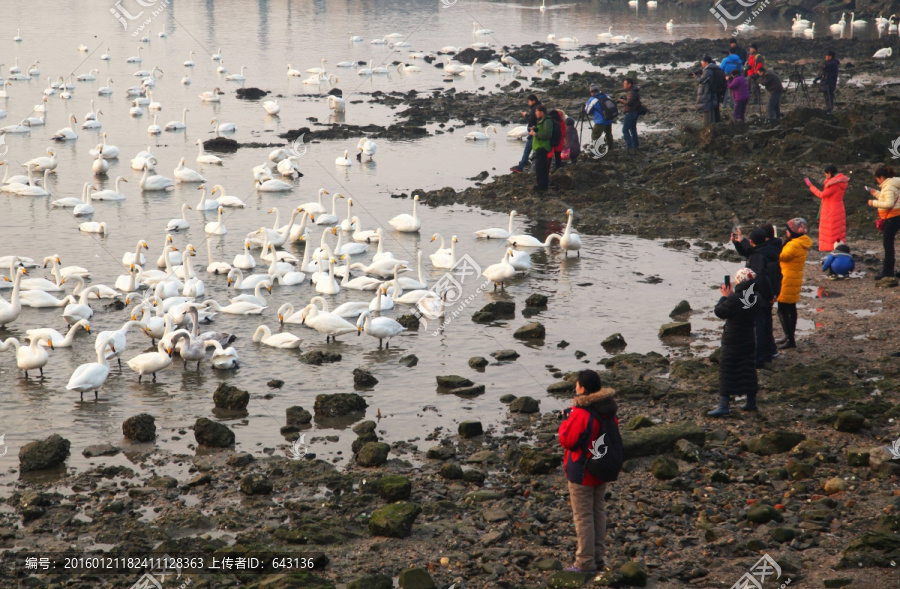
x: 568, y: 226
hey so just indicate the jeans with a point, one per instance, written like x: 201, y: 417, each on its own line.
x: 787, y: 315
x: 765, y: 339
x: 891, y: 227
x: 729, y: 99
x: 598, y: 130
x: 542, y: 168
x: 740, y: 110
x: 525, y: 154
x: 775, y: 106
x: 589, y: 511
x: 629, y: 130
x: 828, y: 94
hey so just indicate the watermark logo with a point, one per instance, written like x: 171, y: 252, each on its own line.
x: 4, y: 148
x: 724, y: 16
x: 126, y: 17
x: 448, y: 4
x: 894, y: 450
x: 599, y: 148
x: 749, y: 297
x: 764, y: 568
x: 895, y: 149
x: 298, y: 147
x: 448, y: 292
x: 595, y: 448
x: 155, y: 579
x: 6, y: 448
x: 299, y: 449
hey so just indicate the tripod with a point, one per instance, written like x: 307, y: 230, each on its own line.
x: 799, y: 82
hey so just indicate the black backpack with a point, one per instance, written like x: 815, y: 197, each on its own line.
x: 605, y: 455
x: 609, y: 109
x: 720, y: 84
x: 556, y: 136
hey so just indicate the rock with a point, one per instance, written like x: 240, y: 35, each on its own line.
x: 240, y: 460
x: 687, y: 451
x: 639, y: 422
x: 297, y: 415
x: 395, y: 520
x: 486, y: 455
x: 409, y: 321
x: 339, y: 404
x: 776, y: 442
x: 140, y: 428
x: 857, y: 456
x: 451, y: 471
x: 887, y: 282
x: 548, y: 564
x: 275, y: 383
x: 43, y: 454
x: 372, y: 582
x: 871, y: 549
x: 525, y: 405
x: 664, y: 468
x: 837, y: 582
x: 221, y: 144
x: 364, y: 427
x: 762, y: 513
x: 719, y: 476
x: 507, y: 398
x: 482, y: 496
x: 614, y: 343
x: 251, y: 93
x: 536, y: 300
x: 849, y: 421
x: 835, y: 485
x: 415, y: 578
x: 163, y: 482
x: 682, y: 308
x: 633, y: 575
x: 494, y: 537
x: 882, y: 462
x: 230, y: 397
x: 494, y: 515
x: 505, y: 355
x: 213, y: 434
x: 409, y: 361
x: 453, y: 381
x: 440, y: 452
x: 801, y: 470
x: 363, y: 378
x: 530, y: 331
x: 363, y: 439
x: 373, y: 454
x: 562, y: 387
x: 482, y: 317
x: 566, y: 579
x: 677, y: 328
x: 393, y: 488
x: 477, y: 362
x: 201, y: 479
x: 538, y: 461
x: 659, y: 439
x: 500, y: 309
x: 472, y: 391
x: 318, y: 357
x: 100, y: 450
x: 470, y: 429
x: 473, y: 476
x: 784, y: 534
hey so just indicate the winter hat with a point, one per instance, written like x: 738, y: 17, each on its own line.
x: 753, y: 46
x: 797, y: 226
x: 595, y: 88
x: 570, y: 121
x: 758, y: 236
x: 743, y: 275
x: 840, y: 246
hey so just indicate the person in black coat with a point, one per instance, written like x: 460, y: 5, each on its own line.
x: 829, y: 80
x: 738, y: 306
x: 763, y: 251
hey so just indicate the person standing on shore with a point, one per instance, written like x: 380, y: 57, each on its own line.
x: 732, y: 63
x: 707, y: 95
x: 762, y: 251
x: 572, y: 141
x: 541, y: 134
x: 740, y: 92
x: 887, y: 201
x: 738, y: 306
x: 600, y: 124
x: 829, y: 79
x: 632, y: 107
x: 587, y: 493
x: 832, y: 217
x: 738, y: 50
x: 530, y: 121
x: 754, y: 61
x: 772, y: 83
x: 559, y: 118
x: 793, y: 261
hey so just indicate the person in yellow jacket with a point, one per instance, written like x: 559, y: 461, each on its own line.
x: 793, y: 260
x: 887, y: 201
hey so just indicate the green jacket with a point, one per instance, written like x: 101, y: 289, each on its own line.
x: 542, y: 135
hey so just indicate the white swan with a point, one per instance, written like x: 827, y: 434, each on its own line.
x: 155, y: 183
x: 154, y: 129
x: 406, y: 223
x: 256, y: 298
x: 182, y: 223
x: 55, y: 337
x: 362, y: 235
x: 105, y: 90
x: 272, y: 107
x: 383, y: 328
x: 439, y: 260
x: 215, y: 267
x: 177, y: 125
x: 856, y: 23
x: 222, y: 358
x: 100, y: 166
x: 367, y: 148
x: 838, y: 28
x: 216, y: 227
x: 137, y: 257
x: 496, y: 232
x: 291, y: 72
x: 39, y: 164
x: 187, y: 175
x: 366, y: 71
x: 10, y: 310
x: 273, y: 186
x: 222, y: 128
x: 317, y: 70
x: 418, y: 283
x: 237, y: 280
x: 523, y: 240
x: 115, y: 339
x: 264, y: 336
x: 328, y: 285
x: 670, y: 25
x: 85, y: 209
x: 238, y: 308
x: 883, y: 53
x: 66, y: 133
x: 245, y: 260
x: 328, y: 323
x: 237, y: 77
x: 109, y: 152
x: 152, y: 362
x: 316, y: 207
x: 39, y: 299
x: 205, y: 158
x: 500, y: 273
x: 91, y: 376
x: 211, y: 96
x: 324, y: 218
x: 343, y: 160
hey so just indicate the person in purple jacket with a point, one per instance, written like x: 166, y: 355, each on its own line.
x: 741, y: 93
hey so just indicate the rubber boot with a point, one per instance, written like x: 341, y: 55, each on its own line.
x: 722, y: 409
x: 750, y: 405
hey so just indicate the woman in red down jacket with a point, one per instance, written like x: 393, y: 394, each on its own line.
x: 832, y: 217
x: 556, y: 152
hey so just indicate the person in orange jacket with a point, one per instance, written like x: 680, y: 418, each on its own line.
x: 832, y: 216
x: 586, y: 492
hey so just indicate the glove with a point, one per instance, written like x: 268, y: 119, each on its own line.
x: 566, y: 412
x: 808, y: 183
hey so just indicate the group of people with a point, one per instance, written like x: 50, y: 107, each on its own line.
x: 737, y: 82
x: 552, y: 134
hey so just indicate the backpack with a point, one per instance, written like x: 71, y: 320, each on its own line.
x: 606, y: 454
x: 719, y: 84
x: 556, y: 137
x: 609, y: 109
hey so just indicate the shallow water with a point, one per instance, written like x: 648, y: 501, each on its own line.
x: 591, y: 297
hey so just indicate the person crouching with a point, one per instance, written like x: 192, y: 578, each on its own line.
x: 839, y: 263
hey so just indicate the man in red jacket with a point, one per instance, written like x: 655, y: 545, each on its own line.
x: 586, y: 492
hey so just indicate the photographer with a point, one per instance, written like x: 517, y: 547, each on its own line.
x: 731, y: 63
x: 740, y: 91
x: 595, y: 109
x: 541, y: 135
x: 738, y: 50
x: 708, y: 99
x: 828, y: 79
x: 772, y: 83
x: 632, y: 107
x: 531, y: 121
x: 754, y: 62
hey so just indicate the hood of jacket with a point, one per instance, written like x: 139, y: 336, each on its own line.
x: 803, y: 241
x: 894, y: 182
x: 839, y: 179
x: 602, y: 401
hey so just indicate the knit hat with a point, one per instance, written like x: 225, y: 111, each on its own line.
x: 743, y: 275
x: 797, y: 226
x: 753, y: 46
x: 840, y: 246
x: 595, y: 88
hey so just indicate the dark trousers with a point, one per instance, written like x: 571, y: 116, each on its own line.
x: 765, y: 339
x: 525, y: 154
x: 598, y: 130
x: 740, y: 110
x: 774, y: 106
x: 891, y: 227
x: 828, y: 95
x: 717, y: 115
x: 557, y: 159
x: 629, y: 130
x: 787, y: 315
x: 709, y: 117
x: 542, y: 168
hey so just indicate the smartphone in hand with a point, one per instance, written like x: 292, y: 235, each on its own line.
x: 727, y: 280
